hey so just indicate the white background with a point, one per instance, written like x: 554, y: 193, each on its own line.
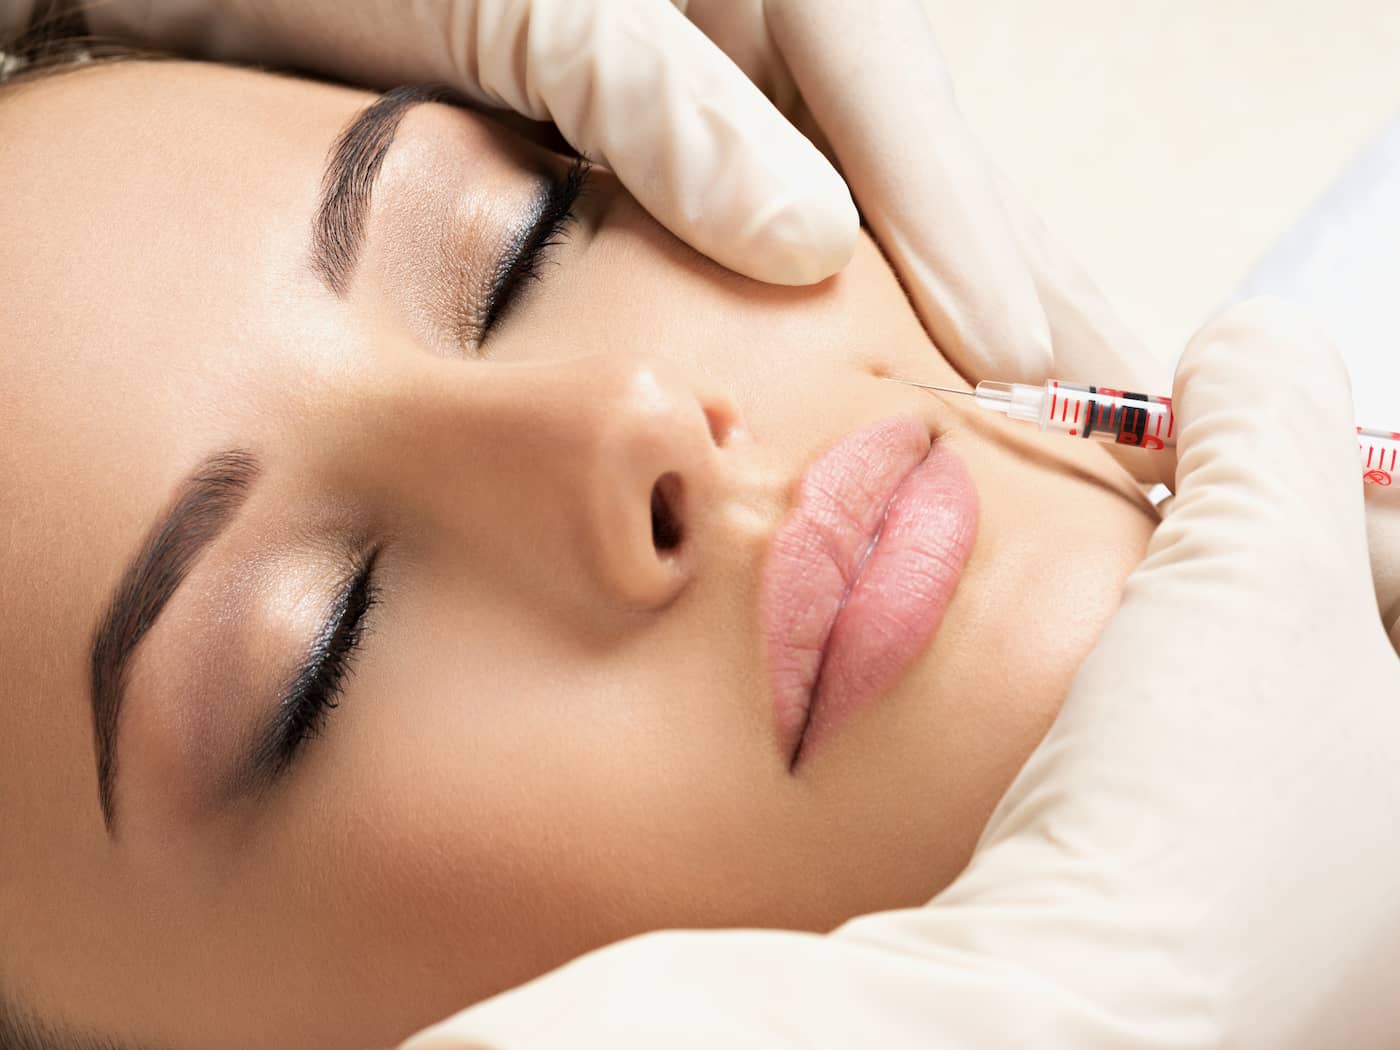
x: 1171, y: 143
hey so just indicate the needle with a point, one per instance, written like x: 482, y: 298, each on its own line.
x: 928, y: 386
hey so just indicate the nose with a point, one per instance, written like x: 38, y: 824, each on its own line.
x: 636, y: 461
x: 587, y: 479
x: 650, y: 443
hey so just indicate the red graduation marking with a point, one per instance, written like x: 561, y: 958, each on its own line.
x: 1370, y: 452
x: 1076, y: 411
x: 1171, y: 422
x: 1157, y: 431
x: 1064, y: 411
x: 1392, y: 459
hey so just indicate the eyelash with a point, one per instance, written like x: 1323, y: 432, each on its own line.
x: 320, y: 683
x: 522, y: 262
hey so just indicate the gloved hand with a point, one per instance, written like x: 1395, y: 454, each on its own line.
x: 1092, y: 344
x: 1202, y: 852
x: 1383, y: 537
x: 635, y: 86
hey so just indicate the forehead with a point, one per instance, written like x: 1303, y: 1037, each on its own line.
x: 147, y: 202
x: 151, y: 212
x: 153, y: 243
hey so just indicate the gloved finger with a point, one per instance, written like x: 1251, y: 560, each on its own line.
x: 1268, y: 507
x: 739, y: 28
x: 637, y: 87
x: 1090, y: 342
x: 1266, y: 451
x: 1383, y: 538
x: 873, y: 77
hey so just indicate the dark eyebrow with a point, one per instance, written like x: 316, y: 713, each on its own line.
x: 348, y: 182
x: 204, y: 504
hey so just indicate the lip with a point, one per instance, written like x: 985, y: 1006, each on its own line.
x: 860, y: 573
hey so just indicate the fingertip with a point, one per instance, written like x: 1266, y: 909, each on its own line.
x: 1283, y: 327
x: 1268, y: 341
x: 1266, y: 435
x: 804, y: 235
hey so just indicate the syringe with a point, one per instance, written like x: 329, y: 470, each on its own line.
x: 1121, y: 417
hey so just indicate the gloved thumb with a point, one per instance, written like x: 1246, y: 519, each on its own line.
x: 1268, y: 497
x: 1263, y: 553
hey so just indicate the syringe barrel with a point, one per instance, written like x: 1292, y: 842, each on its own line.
x: 1121, y: 417
x: 1118, y: 417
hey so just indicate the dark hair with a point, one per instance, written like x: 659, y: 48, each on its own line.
x: 22, y: 1030
x: 55, y: 42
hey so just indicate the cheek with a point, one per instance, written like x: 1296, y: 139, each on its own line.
x: 495, y: 799
x: 451, y: 786
x: 421, y: 862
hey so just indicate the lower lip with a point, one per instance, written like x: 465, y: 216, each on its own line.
x: 860, y: 575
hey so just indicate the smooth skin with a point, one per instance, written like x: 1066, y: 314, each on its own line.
x: 556, y: 735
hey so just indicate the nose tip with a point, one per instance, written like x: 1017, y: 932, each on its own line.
x: 659, y: 433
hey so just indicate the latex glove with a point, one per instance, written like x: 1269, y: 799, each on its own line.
x: 1092, y: 344
x: 1383, y: 537
x: 1203, y: 852
x: 635, y: 86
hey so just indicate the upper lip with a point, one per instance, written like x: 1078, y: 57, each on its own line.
x: 816, y: 556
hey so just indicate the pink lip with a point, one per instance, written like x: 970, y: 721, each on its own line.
x: 860, y: 574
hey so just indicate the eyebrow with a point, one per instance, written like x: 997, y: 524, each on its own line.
x: 348, y: 183
x: 204, y: 504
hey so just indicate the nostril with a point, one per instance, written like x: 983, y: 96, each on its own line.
x: 666, y: 526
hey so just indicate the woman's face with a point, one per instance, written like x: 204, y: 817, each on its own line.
x: 553, y: 726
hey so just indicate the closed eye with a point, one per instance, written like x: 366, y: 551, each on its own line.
x: 316, y: 688
x: 523, y: 259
